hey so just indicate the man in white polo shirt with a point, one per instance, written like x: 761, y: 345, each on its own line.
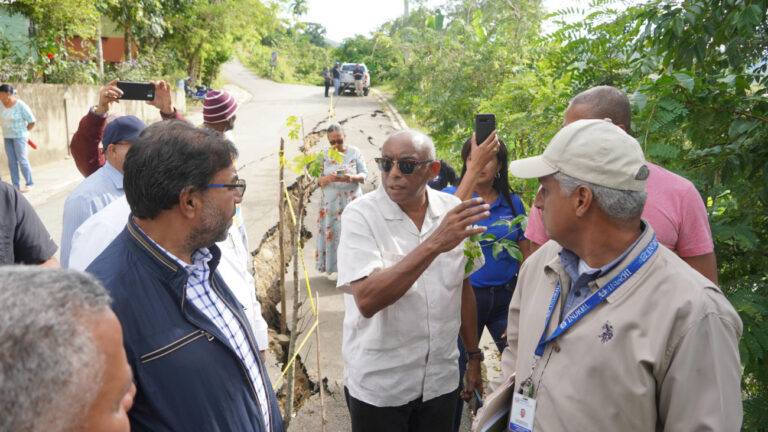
x: 401, y: 263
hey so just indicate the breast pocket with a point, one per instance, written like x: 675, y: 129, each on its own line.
x: 175, y: 345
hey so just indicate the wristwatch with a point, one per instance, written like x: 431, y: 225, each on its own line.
x: 476, y: 354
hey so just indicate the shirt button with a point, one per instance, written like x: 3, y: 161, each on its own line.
x: 556, y: 347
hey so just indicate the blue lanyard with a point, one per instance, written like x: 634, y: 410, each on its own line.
x: 595, y: 299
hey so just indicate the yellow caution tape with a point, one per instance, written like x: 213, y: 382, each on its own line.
x: 301, y: 252
x: 306, y: 279
x: 306, y: 338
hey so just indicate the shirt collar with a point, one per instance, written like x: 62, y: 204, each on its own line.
x: 203, y: 256
x: 390, y: 210
x: 114, y: 175
x: 570, y: 260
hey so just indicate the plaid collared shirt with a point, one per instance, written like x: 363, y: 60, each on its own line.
x: 201, y: 294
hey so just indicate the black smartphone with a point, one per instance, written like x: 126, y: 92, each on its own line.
x: 484, y: 125
x: 137, y: 90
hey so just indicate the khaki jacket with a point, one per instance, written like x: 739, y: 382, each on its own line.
x: 659, y: 354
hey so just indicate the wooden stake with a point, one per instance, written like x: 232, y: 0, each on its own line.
x: 291, y: 376
x: 281, y: 229
x: 319, y: 373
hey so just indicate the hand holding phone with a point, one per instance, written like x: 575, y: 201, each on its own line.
x: 484, y: 125
x: 342, y: 175
x: 137, y: 90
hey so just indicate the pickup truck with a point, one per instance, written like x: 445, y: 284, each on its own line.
x: 348, y: 80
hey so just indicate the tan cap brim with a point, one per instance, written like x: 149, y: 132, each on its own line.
x: 532, y: 167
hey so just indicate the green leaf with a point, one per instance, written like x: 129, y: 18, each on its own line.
x: 496, y: 250
x: 478, y: 27
x: 748, y: 19
x: 514, y: 251
x: 639, y: 99
x: 487, y: 237
x: 685, y: 80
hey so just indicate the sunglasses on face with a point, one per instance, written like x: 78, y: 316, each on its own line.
x: 239, y: 185
x: 405, y: 166
x: 335, y: 142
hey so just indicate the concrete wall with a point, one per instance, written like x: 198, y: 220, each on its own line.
x: 58, y: 109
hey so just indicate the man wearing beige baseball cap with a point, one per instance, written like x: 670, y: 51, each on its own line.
x: 609, y: 330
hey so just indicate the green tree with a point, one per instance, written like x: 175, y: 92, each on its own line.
x: 59, y: 17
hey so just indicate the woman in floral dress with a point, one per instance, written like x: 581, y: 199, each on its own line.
x: 340, y: 182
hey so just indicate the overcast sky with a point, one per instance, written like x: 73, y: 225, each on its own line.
x: 347, y: 18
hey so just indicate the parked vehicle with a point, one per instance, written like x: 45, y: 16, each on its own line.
x: 198, y: 92
x: 348, y: 80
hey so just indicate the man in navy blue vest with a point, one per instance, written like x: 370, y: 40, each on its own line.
x: 195, y: 360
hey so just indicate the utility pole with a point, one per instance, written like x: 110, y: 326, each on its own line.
x: 405, y: 4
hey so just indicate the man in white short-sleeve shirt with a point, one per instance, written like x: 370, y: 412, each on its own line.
x: 401, y: 265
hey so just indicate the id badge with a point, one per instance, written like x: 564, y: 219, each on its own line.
x: 521, y: 417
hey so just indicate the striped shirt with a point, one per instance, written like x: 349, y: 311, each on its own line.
x: 202, y: 295
x: 94, y: 193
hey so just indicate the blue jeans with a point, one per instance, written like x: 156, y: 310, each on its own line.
x: 492, y: 311
x: 16, y: 150
x: 336, y: 84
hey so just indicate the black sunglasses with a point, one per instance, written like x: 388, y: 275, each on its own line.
x: 405, y: 166
x: 338, y: 141
x: 239, y: 183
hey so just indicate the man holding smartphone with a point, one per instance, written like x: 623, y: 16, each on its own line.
x: 104, y: 170
x: 85, y: 141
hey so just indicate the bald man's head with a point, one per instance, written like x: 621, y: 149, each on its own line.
x: 600, y: 103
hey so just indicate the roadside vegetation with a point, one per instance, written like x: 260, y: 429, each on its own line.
x: 171, y: 39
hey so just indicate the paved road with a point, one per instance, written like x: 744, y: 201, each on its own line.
x: 261, y: 121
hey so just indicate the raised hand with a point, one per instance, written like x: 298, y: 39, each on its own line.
x: 455, y: 226
x: 108, y: 94
x: 163, y: 100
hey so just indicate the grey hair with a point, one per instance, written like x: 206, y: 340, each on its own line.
x: 335, y: 127
x: 619, y: 205
x: 50, y: 366
x: 420, y: 140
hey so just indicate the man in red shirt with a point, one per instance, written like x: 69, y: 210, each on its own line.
x: 85, y: 142
x: 674, y: 207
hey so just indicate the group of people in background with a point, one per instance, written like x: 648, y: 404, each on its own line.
x: 605, y: 309
x: 333, y: 78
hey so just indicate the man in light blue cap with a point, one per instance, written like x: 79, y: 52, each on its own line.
x: 103, y: 186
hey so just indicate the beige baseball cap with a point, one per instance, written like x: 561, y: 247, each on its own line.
x: 594, y: 151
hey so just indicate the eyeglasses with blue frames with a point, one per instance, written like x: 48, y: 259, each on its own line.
x: 239, y: 183
x: 405, y: 166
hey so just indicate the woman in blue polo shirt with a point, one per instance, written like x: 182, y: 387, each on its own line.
x: 484, y: 175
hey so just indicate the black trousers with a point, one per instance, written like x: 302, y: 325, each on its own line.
x: 434, y: 415
x: 327, y: 85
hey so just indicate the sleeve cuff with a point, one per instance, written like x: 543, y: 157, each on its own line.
x: 168, y: 116
x: 97, y: 115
